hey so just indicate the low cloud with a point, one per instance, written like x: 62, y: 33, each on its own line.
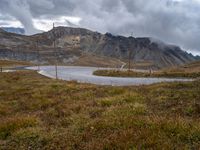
x: 173, y: 21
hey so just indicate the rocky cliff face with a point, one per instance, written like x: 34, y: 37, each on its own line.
x: 142, y: 49
x: 72, y: 42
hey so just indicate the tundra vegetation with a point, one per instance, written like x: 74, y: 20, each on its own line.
x: 8, y: 63
x: 191, y: 70
x: 41, y: 113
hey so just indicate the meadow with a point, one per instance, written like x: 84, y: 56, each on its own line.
x: 187, y: 71
x: 41, y: 113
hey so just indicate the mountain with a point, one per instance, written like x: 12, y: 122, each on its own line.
x: 73, y: 44
x: 14, y: 30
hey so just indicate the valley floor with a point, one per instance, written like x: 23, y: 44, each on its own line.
x: 41, y: 113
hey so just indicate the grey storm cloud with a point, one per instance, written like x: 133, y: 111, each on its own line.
x: 172, y: 21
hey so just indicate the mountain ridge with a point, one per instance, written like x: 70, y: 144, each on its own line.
x: 14, y: 30
x: 76, y: 41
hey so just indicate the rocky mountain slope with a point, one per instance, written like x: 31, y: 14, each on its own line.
x: 14, y: 30
x: 73, y: 43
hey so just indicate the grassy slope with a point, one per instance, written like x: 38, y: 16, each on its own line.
x: 97, y: 61
x: 40, y: 113
x: 8, y: 63
x: 189, y: 71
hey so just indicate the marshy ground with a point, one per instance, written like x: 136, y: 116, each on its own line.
x: 41, y: 113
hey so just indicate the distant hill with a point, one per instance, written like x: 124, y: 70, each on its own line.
x: 72, y: 43
x: 14, y: 30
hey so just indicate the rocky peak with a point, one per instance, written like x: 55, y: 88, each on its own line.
x: 70, y: 31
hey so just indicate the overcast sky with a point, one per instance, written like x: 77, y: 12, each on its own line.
x: 172, y: 21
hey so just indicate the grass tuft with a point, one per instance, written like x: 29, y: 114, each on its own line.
x: 84, y: 116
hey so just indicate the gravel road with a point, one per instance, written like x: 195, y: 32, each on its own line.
x: 85, y: 75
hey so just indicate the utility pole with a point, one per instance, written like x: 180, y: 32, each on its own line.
x: 129, y: 60
x: 38, y: 55
x: 129, y: 57
x: 54, y: 45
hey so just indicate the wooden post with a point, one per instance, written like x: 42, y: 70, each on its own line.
x: 150, y: 71
x: 38, y: 55
x: 129, y: 57
x: 129, y: 66
x: 129, y: 60
x: 54, y: 45
x: 1, y: 69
